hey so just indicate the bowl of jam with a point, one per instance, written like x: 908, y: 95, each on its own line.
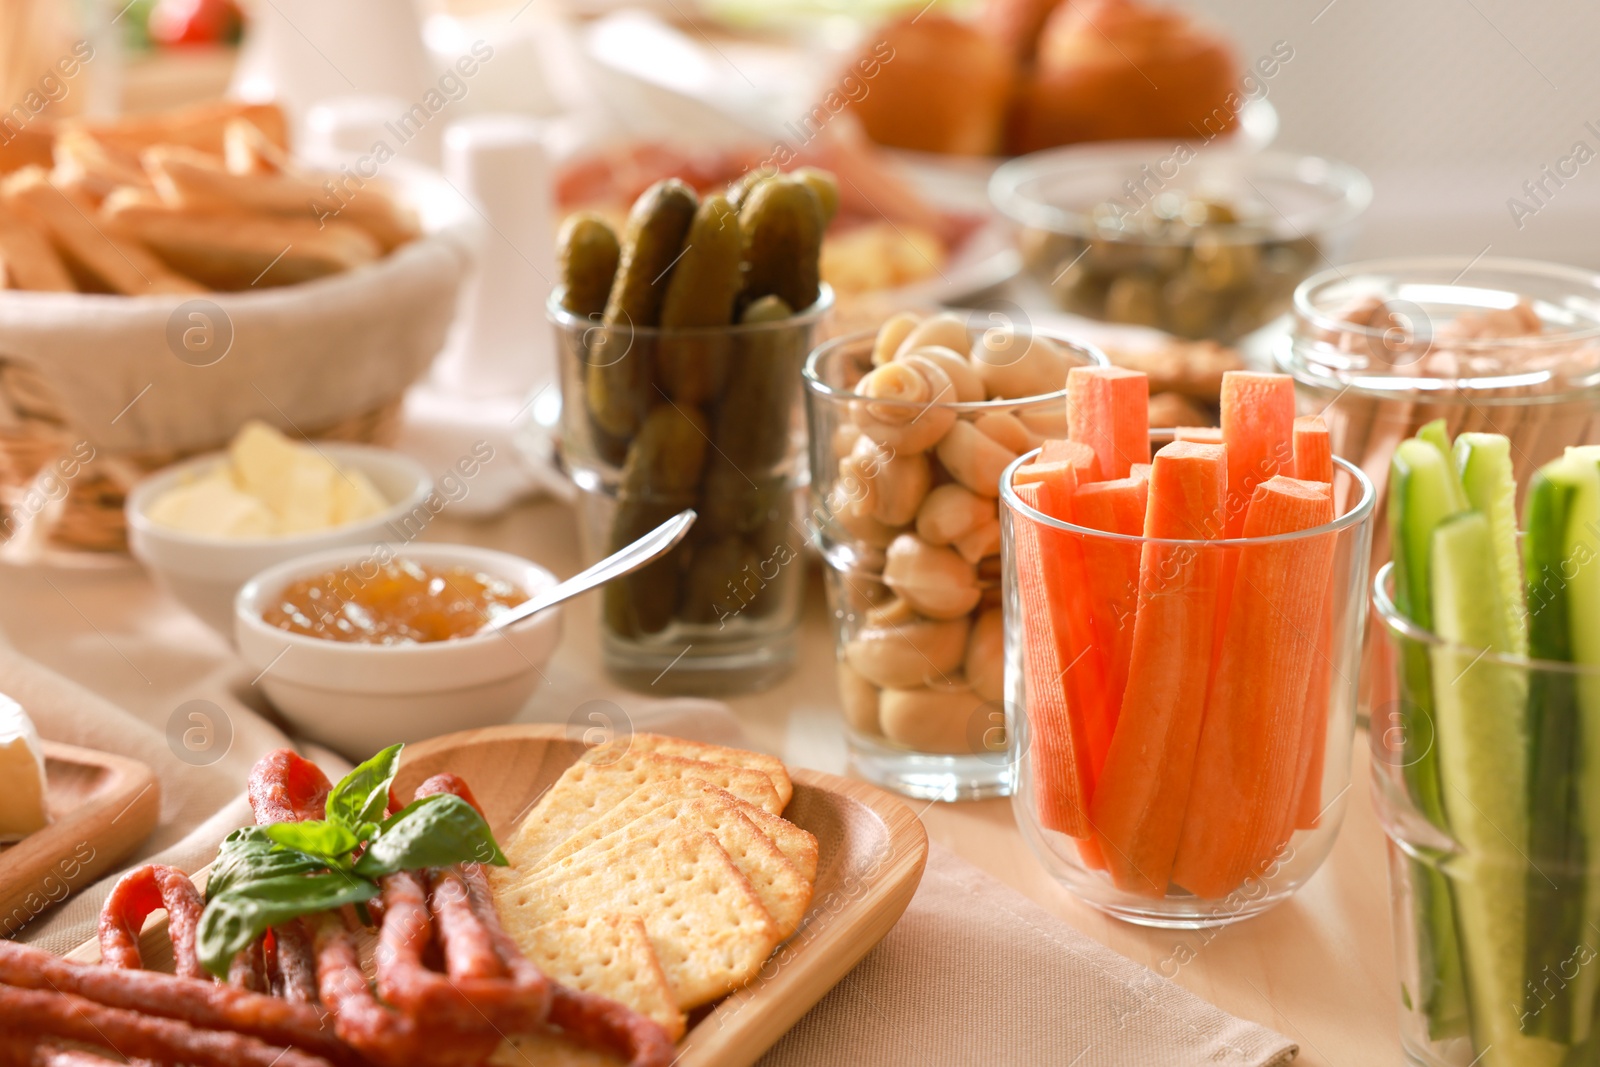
x: 358, y: 648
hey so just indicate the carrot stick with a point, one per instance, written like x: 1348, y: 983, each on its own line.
x: 1313, y: 461
x: 1200, y: 435
x: 1313, y: 451
x: 1065, y: 580
x: 1258, y: 426
x: 1138, y: 807
x: 1247, y: 758
x: 1059, y: 750
x: 1111, y: 571
x: 1080, y: 455
x: 1108, y: 408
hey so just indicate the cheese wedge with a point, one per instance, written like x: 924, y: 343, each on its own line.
x: 22, y: 801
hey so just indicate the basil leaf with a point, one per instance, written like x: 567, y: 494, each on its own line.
x: 235, y: 918
x: 249, y: 855
x: 363, y: 795
x: 435, y: 831
x: 326, y: 839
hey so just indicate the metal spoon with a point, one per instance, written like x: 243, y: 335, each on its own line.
x: 652, y: 546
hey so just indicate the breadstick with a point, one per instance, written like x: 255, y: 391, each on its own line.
x: 188, y: 178
x: 201, y: 127
x: 123, y: 266
x: 30, y: 262
x: 234, y: 250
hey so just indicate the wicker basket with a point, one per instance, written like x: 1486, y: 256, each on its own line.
x: 96, y: 391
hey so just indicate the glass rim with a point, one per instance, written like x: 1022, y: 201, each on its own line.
x: 1398, y: 624
x: 816, y: 386
x: 1356, y: 514
x: 1352, y: 186
x: 559, y: 316
x: 1453, y: 267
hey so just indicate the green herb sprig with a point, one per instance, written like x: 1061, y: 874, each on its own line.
x: 266, y: 875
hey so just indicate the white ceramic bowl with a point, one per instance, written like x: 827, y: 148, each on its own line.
x: 204, y: 573
x: 357, y: 698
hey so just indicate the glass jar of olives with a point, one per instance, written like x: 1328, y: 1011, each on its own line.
x: 1206, y: 245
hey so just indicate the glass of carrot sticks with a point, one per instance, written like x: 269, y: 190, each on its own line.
x: 1488, y: 345
x: 1183, y: 620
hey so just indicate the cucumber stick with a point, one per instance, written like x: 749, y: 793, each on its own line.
x: 1424, y: 491
x: 1564, y: 753
x: 1484, y: 462
x: 1436, y: 435
x: 1480, y: 714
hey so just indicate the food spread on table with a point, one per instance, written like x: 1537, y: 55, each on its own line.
x: 188, y: 202
x: 1124, y: 583
x: 268, y: 486
x: 22, y: 803
x: 401, y: 601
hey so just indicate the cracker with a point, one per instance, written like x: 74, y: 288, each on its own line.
x: 797, y: 846
x: 771, y: 766
x: 98, y: 249
x: 608, y: 955
x: 705, y: 921
x: 588, y: 789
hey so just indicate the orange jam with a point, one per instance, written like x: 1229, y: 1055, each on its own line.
x: 392, y: 603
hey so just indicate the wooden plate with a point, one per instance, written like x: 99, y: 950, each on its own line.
x: 870, y: 854
x: 101, y: 807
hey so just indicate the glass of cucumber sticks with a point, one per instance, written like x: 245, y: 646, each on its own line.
x: 1486, y: 763
x: 1218, y: 675
x: 1492, y: 345
x: 718, y: 428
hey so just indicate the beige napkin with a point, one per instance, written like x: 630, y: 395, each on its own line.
x: 975, y: 973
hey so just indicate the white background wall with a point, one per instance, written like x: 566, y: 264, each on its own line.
x: 1449, y: 106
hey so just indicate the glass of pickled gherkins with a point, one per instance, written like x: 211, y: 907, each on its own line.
x: 1206, y: 244
x: 910, y: 429
x: 680, y: 346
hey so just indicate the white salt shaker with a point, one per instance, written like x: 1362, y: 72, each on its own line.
x: 501, y: 163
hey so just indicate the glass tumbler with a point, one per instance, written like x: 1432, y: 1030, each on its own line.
x: 1494, y: 345
x: 1181, y: 711
x: 1483, y: 778
x: 655, y: 421
x: 904, y: 511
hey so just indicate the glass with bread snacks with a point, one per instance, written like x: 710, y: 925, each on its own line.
x: 910, y: 430
x: 1181, y: 663
x: 1488, y: 345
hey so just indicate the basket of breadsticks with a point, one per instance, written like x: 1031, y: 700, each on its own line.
x: 170, y: 277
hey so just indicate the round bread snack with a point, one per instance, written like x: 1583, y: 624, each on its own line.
x: 1118, y: 69
x: 946, y: 89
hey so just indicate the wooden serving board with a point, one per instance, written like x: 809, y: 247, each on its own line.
x: 101, y: 807
x: 870, y: 853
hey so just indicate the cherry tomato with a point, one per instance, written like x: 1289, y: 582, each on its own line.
x: 181, y: 22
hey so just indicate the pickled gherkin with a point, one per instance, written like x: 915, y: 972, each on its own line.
x: 708, y: 590
x: 617, y: 384
x: 589, y: 253
x: 705, y: 283
x: 783, y: 224
x: 826, y: 188
x: 659, y: 479
x: 753, y: 420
